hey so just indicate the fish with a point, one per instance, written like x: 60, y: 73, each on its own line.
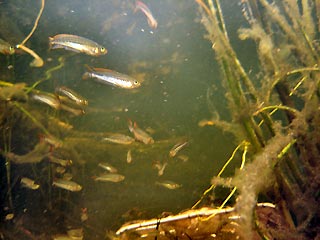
x: 67, y: 185
x: 139, y: 134
x: 6, y: 48
x: 184, y: 158
x: 51, y: 140
x: 77, y: 44
x: 119, y: 138
x: 74, y: 111
x: 143, y: 7
x: 48, y: 99
x: 67, y: 176
x: 64, y: 125
x: 205, y: 122
x: 75, y: 234
x: 108, y: 167
x: 109, y: 177
x: 160, y: 167
x: 169, y: 184
x: 61, y: 162
x: 62, y: 237
x: 110, y: 77
x: 176, y: 148
x: 29, y: 183
x: 72, y: 95
x: 60, y: 170
x: 129, y: 156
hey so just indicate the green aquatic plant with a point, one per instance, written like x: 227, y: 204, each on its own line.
x: 277, y: 160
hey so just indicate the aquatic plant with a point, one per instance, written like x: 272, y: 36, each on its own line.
x: 277, y: 162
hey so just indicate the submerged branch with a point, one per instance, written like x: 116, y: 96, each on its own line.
x: 35, y: 23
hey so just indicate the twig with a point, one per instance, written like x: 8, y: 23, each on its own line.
x: 35, y: 23
x: 37, y: 62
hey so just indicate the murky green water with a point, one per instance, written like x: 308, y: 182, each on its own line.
x: 176, y: 67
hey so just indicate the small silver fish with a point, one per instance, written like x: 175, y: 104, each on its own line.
x: 129, y: 156
x: 182, y: 157
x: 74, y: 111
x: 160, y: 167
x: 75, y: 234
x: 61, y: 162
x: 77, y: 44
x: 139, y: 134
x: 72, y: 95
x: 110, y: 77
x: 48, y: 99
x: 176, y: 148
x: 51, y: 140
x: 67, y: 176
x: 108, y: 167
x: 169, y: 184
x: 110, y: 177
x: 29, y: 183
x: 67, y: 185
x: 6, y: 48
x: 119, y: 138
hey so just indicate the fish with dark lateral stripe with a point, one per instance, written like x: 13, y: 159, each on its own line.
x: 77, y: 44
x: 110, y: 77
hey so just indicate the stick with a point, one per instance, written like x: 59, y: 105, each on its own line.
x: 37, y: 62
x: 35, y: 23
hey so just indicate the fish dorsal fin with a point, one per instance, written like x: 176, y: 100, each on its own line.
x: 103, y: 70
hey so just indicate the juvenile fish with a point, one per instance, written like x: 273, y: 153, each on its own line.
x: 110, y: 77
x: 169, y: 184
x: 74, y: 111
x: 139, y: 134
x: 176, y: 148
x: 76, y: 44
x: 29, y: 183
x: 151, y: 20
x: 110, y: 177
x: 72, y: 95
x: 51, y: 140
x: 61, y: 162
x: 48, y: 99
x: 160, y: 167
x: 129, y: 156
x: 108, y: 167
x: 67, y: 185
x: 6, y: 48
x: 119, y: 138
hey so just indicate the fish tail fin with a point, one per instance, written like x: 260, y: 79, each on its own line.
x: 50, y: 42
x: 85, y: 76
x: 130, y: 125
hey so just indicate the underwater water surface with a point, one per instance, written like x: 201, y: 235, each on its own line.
x: 180, y: 82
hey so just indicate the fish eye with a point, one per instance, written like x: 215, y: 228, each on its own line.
x: 135, y: 82
x: 102, y: 49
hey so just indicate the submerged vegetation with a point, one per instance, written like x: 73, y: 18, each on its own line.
x: 274, y: 116
x: 275, y: 113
